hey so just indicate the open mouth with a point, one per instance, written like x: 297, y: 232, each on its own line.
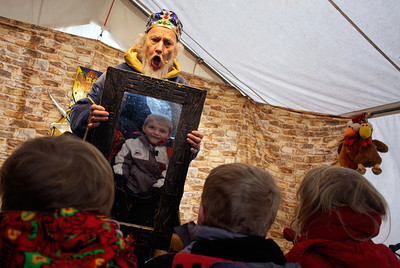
x: 156, y: 62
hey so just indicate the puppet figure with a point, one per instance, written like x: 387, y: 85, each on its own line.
x: 368, y: 151
x: 358, y: 150
x: 349, y: 145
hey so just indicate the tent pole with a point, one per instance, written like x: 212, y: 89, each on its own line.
x: 392, y: 108
x: 364, y: 35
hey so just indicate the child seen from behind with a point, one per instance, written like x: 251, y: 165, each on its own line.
x: 57, y: 193
x: 339, y: 213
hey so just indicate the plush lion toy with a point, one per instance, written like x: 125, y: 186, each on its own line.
x: 357, y: 150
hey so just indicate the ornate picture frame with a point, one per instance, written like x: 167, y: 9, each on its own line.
x: 191, y: 100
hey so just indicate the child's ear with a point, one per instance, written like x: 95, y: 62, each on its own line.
x: 202, y: 216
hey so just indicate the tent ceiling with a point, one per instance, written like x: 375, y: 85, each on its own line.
x: 299, y: 54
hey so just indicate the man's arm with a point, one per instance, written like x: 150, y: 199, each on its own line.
x: 79, y: 117
x: 81, y: 110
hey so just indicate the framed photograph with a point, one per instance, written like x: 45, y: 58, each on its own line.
x: 146, y: 202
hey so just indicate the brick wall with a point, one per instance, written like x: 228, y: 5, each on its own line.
x: 35, y: 60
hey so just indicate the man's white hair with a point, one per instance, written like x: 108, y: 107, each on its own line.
x: 141, y: 49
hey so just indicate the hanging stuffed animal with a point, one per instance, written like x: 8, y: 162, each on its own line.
x: 348, y: 146
x: 368, y: 151
x: 363, y: 151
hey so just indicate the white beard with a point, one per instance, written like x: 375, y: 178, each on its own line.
x: 160, y: 74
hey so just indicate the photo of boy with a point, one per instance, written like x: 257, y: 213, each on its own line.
x: 140, y: 168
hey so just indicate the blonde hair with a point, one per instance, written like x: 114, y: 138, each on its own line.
x: 240, y: 198
x: 160, y: 119
x: 53, y: 172
x: 328, y: 187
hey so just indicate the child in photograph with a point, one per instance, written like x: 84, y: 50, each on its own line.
x: 140, y: 168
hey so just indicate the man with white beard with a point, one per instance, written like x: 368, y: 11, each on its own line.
x: 154, y: 54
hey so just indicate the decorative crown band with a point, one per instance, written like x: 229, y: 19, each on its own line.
x: 167, y: 19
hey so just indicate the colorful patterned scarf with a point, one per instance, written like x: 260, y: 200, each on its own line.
x: 66, y: 238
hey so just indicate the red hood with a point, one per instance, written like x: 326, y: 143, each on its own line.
x: 329, y: 244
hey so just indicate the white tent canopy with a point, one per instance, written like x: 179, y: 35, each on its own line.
x: 387, y: 129
x: 298, y: 54
x: 306, y: 55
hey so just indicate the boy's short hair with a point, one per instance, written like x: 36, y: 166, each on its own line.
x: 54, y: 172
x: 161, y: 119
x: 240, y: 198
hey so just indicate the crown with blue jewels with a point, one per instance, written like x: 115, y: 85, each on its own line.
x: 167, y: 19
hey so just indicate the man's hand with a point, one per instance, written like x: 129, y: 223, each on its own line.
x: 194, y: 138
x: 97, y: 114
